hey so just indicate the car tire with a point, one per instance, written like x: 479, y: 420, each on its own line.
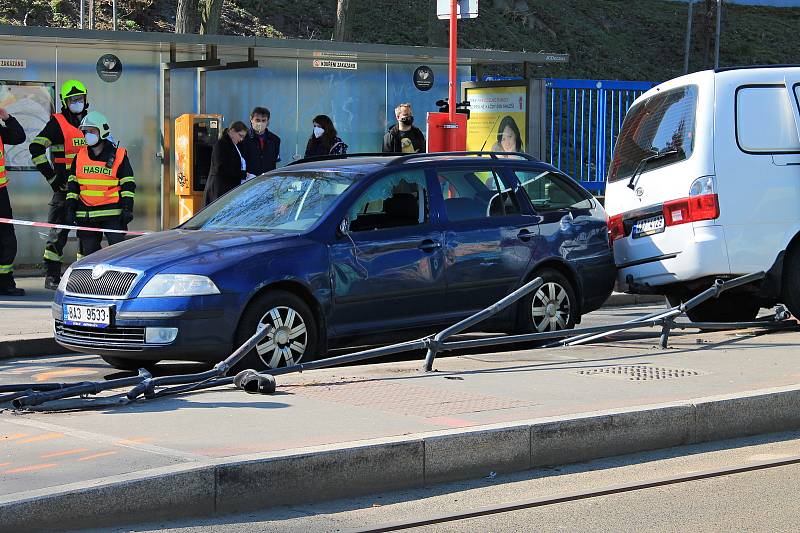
x: 123, y: 363
x: 727, y: 308
x: 791, y: 281
x: 551, y: 307
x: 295, y: 338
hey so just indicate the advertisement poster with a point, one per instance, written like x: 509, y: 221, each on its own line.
x: 31, y: 103
x: 498, y: 119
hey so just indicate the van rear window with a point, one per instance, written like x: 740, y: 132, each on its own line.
x: 662, y: 124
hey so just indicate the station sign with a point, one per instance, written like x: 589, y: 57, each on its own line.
x: 465, y: 9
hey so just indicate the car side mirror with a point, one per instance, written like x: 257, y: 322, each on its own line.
x: 344, y: 228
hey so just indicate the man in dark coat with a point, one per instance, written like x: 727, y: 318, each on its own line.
x: 261, y: 148
x: 228, y: 167
x: 404, y: 137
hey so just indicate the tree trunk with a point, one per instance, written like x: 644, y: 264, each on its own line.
x: 342, y: 30
x: 209, y: 25
x: 185, y: 16
x: 90, y: 8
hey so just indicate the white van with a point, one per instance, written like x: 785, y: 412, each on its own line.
x: 704, y: 184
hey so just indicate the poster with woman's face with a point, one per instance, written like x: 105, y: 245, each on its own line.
x: 31, y: 103
x: 498, y: 118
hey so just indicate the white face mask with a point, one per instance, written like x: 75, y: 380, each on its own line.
x: 92, y: 138
x: 76, y: 107
x: 259, y: 127
x: 318, y: 132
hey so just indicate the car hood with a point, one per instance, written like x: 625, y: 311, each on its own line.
x: 158, y: 251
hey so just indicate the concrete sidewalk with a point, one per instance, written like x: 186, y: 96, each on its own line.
x: 355, y: 430
x: 26, y: 326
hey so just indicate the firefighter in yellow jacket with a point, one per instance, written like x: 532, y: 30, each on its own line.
x: 62, y: 136
x: 100, y: 187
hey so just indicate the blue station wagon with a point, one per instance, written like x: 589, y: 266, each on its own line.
x: 342, y: 250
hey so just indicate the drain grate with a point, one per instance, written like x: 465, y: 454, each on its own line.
x: 639, y: 372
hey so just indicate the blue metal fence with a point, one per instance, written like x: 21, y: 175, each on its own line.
x: 585, y: 117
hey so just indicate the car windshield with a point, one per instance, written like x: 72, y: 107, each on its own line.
x: 286, y: 201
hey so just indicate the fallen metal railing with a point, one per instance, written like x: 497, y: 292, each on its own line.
x: 145, y: 386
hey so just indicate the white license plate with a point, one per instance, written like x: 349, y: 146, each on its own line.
x: 648, y: 226
x: 86, y: 315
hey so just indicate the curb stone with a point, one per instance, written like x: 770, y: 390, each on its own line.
x: 367, y: 467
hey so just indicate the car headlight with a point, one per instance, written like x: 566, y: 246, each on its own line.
x: 62, y: 285
x: 178, y: 285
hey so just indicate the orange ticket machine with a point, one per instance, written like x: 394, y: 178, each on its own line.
x: 195, y: 136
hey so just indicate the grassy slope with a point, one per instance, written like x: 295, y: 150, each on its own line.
x: 612, y: 39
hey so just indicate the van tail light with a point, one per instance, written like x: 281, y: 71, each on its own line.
x: 692, y: 209
x: 616, y: 229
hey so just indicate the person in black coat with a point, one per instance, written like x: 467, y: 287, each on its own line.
x: 324, y: 139
x: 261, y: 148
x: 228, y: 167
x: 404, y: 137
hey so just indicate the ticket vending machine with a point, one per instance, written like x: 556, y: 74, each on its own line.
x: 195, y: 136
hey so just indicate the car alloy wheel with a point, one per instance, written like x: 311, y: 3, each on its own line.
x: 287, y: 342
x: 550, y: 307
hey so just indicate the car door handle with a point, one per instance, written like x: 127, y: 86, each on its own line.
x: 524, y: 235
x: 429, y: 245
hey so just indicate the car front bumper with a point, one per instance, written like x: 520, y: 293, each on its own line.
x: 205, y: 328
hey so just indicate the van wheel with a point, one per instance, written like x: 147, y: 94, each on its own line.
x: 123, y: 363
x: 791, y: 281
x: 551, y: 307
x: 294, y: 336
x: 727, y: 308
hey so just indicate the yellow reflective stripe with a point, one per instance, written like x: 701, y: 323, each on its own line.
x: 72, y: 196
x: 73, y: 178
x: 3, y: 180
x: 2, y: 168
x: 128, y: 194
x: 6, y: 269
x: 98, y: 193
x: 102, y: 213
x: 85, y: 181
x: 71, y: 156
x: 126, y: 179
x: 44, y: 141
x: 51, y: 256
x: 57, y: 148
x: 38, y: 160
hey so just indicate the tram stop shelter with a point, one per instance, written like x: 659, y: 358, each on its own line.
x: 143, y: 81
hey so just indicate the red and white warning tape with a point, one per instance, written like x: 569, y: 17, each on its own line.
x: 17, y: 222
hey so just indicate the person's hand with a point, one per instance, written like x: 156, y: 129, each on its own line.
x: 127, y: 217
x: 4, y: 114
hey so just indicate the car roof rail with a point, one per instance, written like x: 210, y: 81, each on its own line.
x: 749, y: 67
x: 494, y: 155
x: 330, y: 157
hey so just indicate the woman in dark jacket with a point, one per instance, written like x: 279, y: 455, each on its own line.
x: 323, y: 140
x: 227, y: 164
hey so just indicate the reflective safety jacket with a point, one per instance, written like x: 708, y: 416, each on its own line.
x: 62, y: 136
x: 98, y: 186
x: 11, y: 133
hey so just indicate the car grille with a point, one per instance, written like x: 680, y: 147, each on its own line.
x: 123, y: 337
x: 111, y: 283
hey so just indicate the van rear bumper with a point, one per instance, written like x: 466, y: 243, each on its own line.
x: 705, y: 254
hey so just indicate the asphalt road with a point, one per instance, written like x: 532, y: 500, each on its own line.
x: 764, y: 500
